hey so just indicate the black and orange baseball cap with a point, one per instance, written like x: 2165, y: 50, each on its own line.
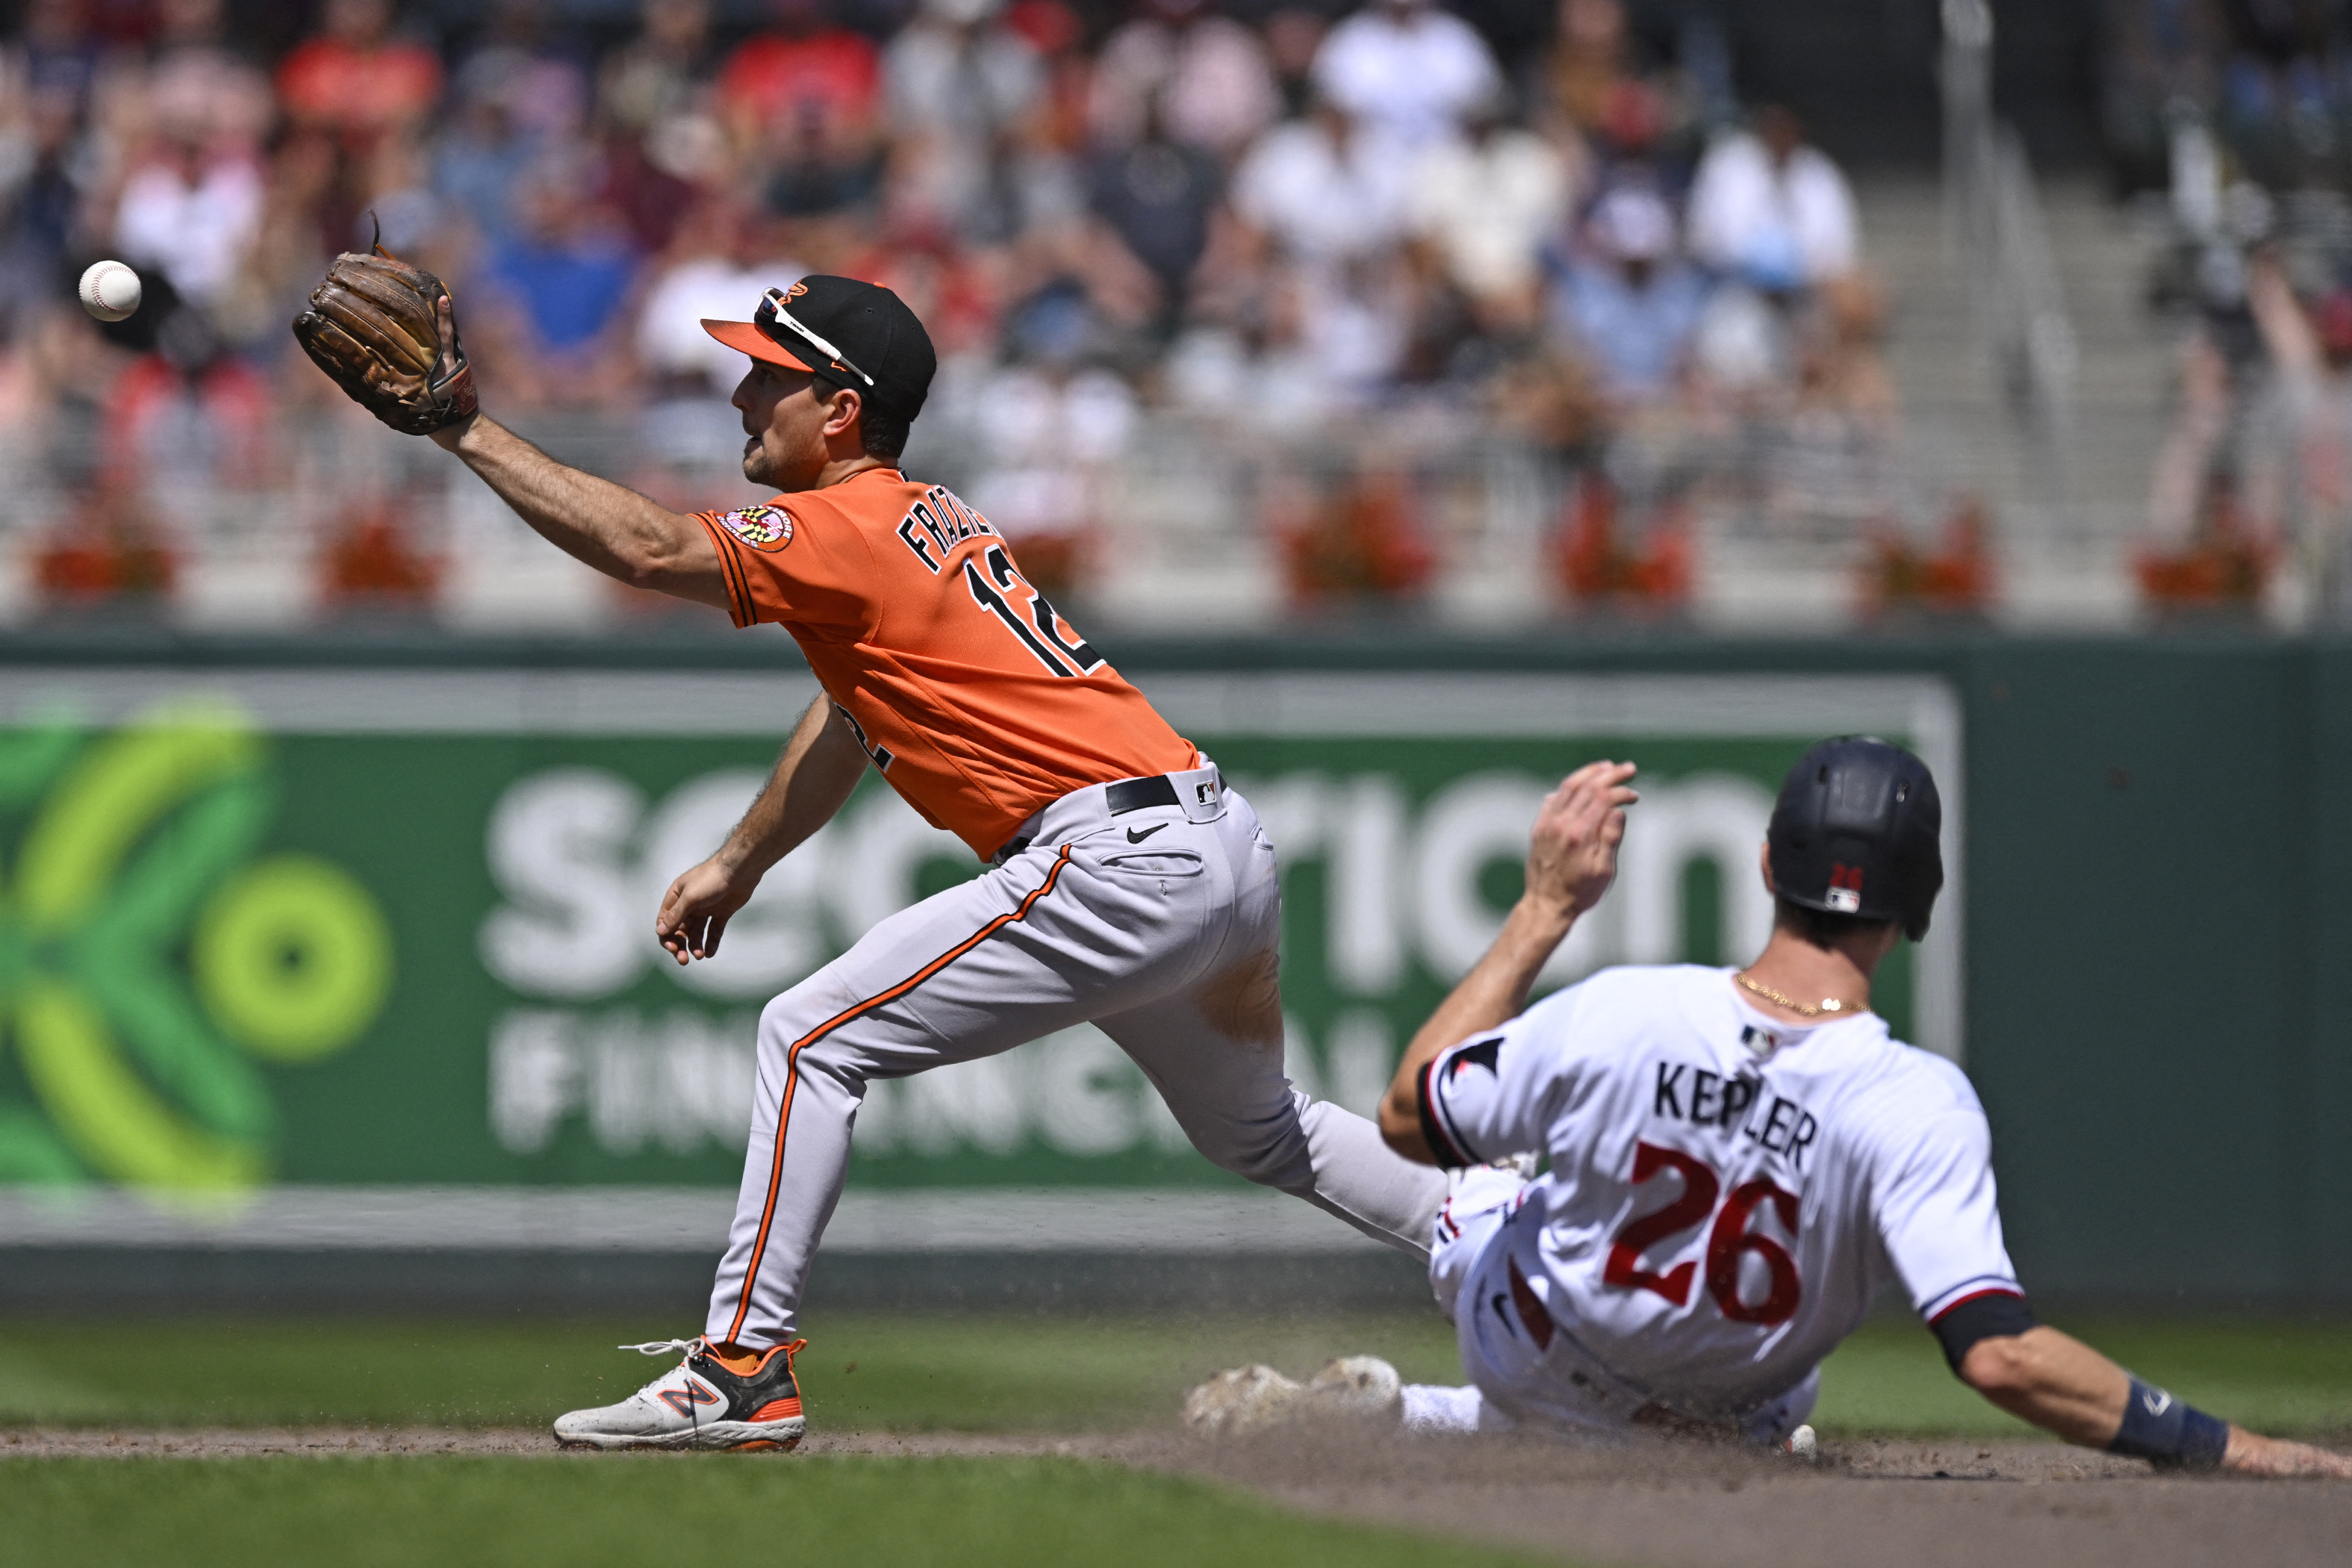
x: 852, y: 334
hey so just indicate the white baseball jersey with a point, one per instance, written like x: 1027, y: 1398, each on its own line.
x: 1726, y: 1193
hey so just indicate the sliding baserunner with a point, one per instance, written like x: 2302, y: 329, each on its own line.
x: 1740, y: 1161
x: 1130, y: 886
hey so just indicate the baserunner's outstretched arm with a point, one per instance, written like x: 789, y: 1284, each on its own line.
x: 1571, y: 860
x: 2065, y: 1387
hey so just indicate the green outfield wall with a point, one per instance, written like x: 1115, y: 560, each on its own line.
x: 347, y: 945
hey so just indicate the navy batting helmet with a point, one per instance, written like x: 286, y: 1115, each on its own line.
x: 1856, y: 833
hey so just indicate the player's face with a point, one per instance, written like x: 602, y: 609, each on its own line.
x: 783, y: 421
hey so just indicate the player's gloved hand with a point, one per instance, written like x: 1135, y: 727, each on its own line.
x: 695, y: 912
x: 385, y: 332
x: 1572, y: 854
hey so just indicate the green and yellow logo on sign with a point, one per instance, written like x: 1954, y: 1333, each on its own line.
x: 150, y: 958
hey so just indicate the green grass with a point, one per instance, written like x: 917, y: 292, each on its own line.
x: 898, y: 1372
x: 905, y: 1374
x: 354, y: 1513
x: 912, y: 1373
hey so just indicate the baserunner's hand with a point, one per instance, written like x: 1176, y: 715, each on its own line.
x: 695, y: 912
x: 2252, y: 1454
x: 1572, y: 853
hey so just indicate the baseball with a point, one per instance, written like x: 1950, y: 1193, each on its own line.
x: 109, y: 290
x: 1803, y: 1444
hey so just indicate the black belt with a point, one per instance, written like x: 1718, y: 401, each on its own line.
x: 1134, y: 794
x: 1126, y: 795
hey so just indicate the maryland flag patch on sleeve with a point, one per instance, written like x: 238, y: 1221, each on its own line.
x: 768, y: 528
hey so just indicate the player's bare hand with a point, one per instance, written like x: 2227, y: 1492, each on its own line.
x: 2252, y: 1454
x: 695, y: 912
x: 1572, y: 854
x: 444, y: 316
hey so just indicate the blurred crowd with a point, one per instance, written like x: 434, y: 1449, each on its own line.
x: 2233, y: 120
x: 1299, y: 225
x: 2274, y: 78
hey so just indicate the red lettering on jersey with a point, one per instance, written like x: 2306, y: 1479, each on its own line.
x: 1699, y: 1187
x: 1726, y: 1242
x: 1730, y: 1239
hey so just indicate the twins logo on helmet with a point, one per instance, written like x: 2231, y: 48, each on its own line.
x: 763, y: 528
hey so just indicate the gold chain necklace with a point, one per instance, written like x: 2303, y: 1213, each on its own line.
x: 1829, y: 1004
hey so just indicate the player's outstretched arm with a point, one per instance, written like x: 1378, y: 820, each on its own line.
x: 1571, y: 860
x: 820, y: 766
x: 611, y: 526
x: 2067, y: 1388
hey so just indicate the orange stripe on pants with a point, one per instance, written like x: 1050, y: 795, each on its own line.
x: 792, y: 1059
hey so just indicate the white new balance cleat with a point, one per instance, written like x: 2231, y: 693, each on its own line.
x: 697, y: 1404
x: 1356, y: 1389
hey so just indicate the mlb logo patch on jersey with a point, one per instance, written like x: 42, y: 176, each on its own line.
x: 768, y: 528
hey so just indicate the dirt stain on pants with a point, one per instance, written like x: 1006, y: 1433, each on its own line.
x: 1246, y: 1000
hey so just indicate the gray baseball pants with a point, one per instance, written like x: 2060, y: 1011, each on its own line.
x: 1161, y: 926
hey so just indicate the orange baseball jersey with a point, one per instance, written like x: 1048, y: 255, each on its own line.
x: 976, y: 700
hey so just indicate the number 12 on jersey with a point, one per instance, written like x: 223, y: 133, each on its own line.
x: 1041, y: 629
x: 1727, y: 1242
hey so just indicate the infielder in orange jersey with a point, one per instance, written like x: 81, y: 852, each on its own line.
x: 1129, y: 885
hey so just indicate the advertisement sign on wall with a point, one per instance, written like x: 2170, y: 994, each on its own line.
x: 276, y: 932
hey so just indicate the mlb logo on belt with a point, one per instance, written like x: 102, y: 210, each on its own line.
x: 1846, y: 889
x: 768, y: 528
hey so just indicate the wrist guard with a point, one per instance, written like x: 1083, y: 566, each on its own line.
x: 2168, y: 1432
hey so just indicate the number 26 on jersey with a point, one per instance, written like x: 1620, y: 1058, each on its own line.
x: 1727, y: 1241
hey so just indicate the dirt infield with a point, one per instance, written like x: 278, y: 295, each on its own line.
x: 1654, y: 1503
x: 1865, y: 1505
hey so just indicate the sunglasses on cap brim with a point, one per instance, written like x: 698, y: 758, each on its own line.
x: 773, y: 320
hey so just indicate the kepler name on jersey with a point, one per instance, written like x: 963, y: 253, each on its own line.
x: 1686, y: 1092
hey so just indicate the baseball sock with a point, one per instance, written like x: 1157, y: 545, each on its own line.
x: 736, y: 1359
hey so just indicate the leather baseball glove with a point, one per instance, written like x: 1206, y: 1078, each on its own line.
x: 375, y: 326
